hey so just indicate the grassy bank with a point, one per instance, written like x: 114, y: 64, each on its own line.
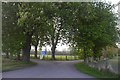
x: 8, y: 65
x: 82, y: 67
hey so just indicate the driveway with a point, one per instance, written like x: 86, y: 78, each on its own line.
x: 48, y: 69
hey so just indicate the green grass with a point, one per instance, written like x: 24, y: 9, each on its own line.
x: 58, y: 57
x: 82, y: 67
x: 8, y: 65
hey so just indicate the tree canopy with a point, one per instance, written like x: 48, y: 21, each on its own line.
x: 89, y: 26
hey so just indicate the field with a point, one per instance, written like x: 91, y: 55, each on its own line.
x: 58, y: 57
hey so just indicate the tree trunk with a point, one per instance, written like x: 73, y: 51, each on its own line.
x: 18, y: 56
x: 54, y: 39
x: 66, y: 57
x: 35, y: 51
x: 27, y: 47
x: 94, y: 54
x: 36, y: 44
x: 85, y: 55
x: 53, y: 53
x: 7, y: 55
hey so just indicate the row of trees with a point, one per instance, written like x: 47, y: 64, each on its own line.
x: 88, y: 26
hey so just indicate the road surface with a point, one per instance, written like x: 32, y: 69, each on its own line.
x: 48, y: 69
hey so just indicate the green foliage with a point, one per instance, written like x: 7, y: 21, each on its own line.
x: 11, y: 35
x: 87, y: 26
x: 96, y: 28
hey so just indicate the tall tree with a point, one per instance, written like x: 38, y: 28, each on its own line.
x: 32, y: 22
x: 95, y: 28
x: 59, y: 15
x: 12, y: 43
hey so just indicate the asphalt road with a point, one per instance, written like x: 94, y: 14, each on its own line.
x: 48, y: 69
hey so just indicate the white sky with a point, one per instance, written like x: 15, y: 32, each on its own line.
x: 113, y: 1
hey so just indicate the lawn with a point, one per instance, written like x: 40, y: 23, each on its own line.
x: 58, y: 57
x: 8, y: 65
x: 82, y: 67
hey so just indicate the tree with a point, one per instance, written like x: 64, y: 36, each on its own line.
x: 97, y: 30
x: 108, y: 34
x: 52, y: 15
x: 12, y: 43
x: 85, y: 25
x: 59, y: 15
x: 32, y: 22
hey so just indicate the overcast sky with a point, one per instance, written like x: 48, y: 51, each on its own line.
x: 113, y: 1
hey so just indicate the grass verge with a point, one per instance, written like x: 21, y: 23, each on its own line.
x: 82, y: 67
x: 9, y: 65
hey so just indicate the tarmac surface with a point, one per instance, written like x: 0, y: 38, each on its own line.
x: 48, y: 69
